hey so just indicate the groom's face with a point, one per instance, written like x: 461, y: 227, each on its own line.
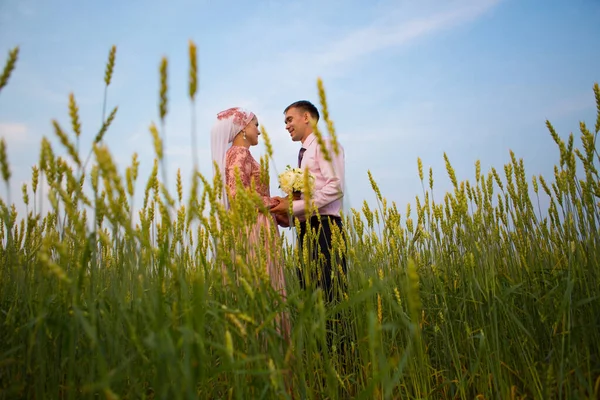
x: 296, y: 123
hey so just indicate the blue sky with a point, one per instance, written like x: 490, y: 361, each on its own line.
x: 404, y: 79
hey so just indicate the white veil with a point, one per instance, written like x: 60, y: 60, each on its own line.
x: 229, y: 123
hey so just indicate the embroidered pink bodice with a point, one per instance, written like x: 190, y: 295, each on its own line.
x: 249, y: 170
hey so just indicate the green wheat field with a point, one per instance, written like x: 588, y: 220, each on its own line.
x: 481, y: 294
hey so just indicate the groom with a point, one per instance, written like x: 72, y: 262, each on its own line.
x: 327, y: 198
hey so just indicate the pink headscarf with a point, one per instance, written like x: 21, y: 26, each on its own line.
x: 229, y: 123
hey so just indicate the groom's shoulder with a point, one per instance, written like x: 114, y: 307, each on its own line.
x: 331, y: 144
x: 332, y: 147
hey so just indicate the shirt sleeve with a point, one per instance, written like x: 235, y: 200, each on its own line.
x: 332, y: 172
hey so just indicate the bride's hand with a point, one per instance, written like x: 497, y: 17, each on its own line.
x: 281, y: 207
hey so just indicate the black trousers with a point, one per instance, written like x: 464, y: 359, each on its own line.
x: 327, y: 270
x: 324, y: 269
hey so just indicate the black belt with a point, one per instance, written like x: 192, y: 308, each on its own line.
x: 315, y: 218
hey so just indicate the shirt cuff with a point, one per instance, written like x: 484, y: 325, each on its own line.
x: 298, y: 207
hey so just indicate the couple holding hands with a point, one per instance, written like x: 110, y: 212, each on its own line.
x: 232, y: 135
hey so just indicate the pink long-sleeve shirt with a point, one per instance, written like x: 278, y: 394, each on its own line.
x: 329, y: 178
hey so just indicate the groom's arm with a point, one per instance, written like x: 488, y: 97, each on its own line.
x: 332, y: 173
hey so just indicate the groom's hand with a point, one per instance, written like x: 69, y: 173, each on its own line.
x: 282, y: 220
x: 281, y: 207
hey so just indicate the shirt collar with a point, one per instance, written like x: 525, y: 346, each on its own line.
x: 309, y: 140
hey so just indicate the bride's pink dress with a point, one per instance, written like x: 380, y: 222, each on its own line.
x: 249, y: 170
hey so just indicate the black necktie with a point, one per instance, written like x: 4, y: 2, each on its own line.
x: 300, y: 155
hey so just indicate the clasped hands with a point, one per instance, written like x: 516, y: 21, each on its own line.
x: 280, y: 211
x: 281, y: 208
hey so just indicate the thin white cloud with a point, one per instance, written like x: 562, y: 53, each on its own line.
x: 391, y: 30
x: 377, y: 36
x: 571, y: 105
x: 14, y: 133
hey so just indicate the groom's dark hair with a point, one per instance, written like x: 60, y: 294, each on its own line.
x: 305, y: 106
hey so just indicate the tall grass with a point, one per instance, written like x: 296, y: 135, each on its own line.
x: 480, y: 294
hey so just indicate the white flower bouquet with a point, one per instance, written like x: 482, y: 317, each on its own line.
x: 291, y: 181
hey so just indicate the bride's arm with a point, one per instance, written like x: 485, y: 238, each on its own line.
x: 241, y: 159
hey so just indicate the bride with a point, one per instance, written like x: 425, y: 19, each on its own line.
x: 232, y: 135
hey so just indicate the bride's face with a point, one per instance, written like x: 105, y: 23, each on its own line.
x: 252, y: 132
